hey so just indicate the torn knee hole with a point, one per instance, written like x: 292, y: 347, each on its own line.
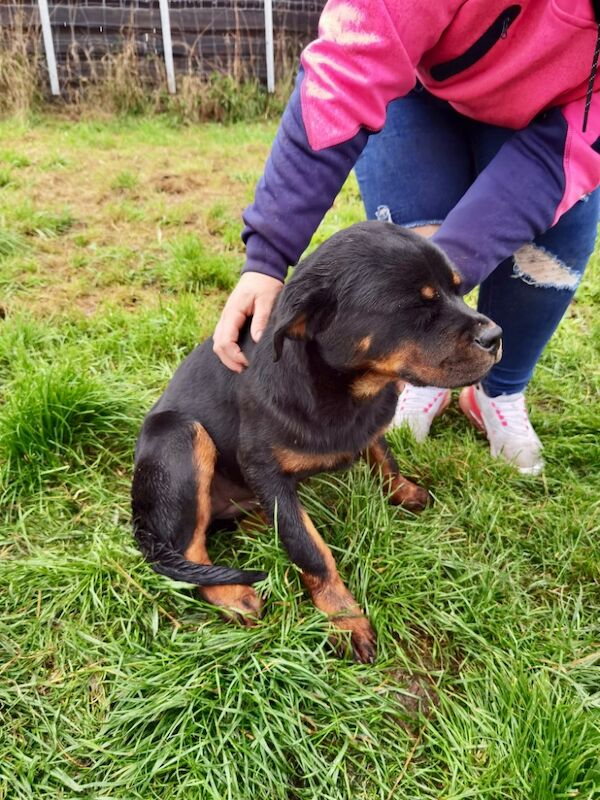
x: 538, y: 267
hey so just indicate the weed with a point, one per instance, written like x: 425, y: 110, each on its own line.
x: 219, y: 222
x: 56, y: 417
x: 31, y: 221
x: 126, y: 211
x: 124, y: 83
x: 20, y: 90
x: 125, y: 181
x: 10, y: 243
x: 55, y: 161
x: 6, y: 178
x: 192, y: 267
x: 13, y: 159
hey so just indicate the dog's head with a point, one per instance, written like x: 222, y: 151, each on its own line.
x: 380, y: 302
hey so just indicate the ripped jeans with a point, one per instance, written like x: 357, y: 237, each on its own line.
x: 416, y: 170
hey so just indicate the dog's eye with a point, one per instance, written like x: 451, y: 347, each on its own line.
x: 429, y: 293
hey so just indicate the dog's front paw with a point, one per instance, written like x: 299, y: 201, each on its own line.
x: 418, y: 499
x: 363, y: 639
x: 364, y: 642
x: 410, y: 496
x: 238, y: 602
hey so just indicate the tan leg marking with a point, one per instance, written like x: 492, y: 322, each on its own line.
x: 292, y: 461
x: 238, y: 601
x: 402, y: 492
x: 205, y: 456
x: 330, y: 595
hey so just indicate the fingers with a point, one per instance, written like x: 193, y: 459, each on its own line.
x: 254, y: 294
x: 225, y: 339
x: 262, y: 312
x: 233, y: 358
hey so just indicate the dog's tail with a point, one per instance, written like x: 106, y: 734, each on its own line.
x: 165, y: 560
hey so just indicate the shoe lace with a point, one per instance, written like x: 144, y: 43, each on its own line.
x: 419, y: 399
x: 511, y: 412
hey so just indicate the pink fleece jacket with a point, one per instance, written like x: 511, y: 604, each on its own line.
x: 520, y: 65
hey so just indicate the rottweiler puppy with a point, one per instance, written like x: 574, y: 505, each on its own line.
x: 373, y: 305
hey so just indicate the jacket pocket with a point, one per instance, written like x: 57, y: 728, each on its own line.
x: 497, y: 30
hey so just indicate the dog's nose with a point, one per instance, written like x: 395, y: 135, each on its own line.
x: 489, y: 338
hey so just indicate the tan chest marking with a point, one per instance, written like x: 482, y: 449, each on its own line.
x: 380, y: 372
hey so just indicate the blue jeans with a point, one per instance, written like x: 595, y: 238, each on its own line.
x: 416, y: 170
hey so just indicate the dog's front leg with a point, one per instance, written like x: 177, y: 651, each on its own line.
x: 277, y: 494
x: 402, y: 492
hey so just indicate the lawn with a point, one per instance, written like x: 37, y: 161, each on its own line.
x: 118, y: 243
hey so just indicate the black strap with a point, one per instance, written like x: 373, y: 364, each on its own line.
x: 590, y: 88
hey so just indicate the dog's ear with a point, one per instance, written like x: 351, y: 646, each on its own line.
x: 301, y: 315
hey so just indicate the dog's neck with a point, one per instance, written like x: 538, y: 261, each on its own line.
x: 304, y: 387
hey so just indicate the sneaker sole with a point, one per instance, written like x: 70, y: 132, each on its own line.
x: 537, y: 469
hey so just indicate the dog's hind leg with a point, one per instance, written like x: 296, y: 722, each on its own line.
x: 171, y: 505
x: 402, y: 492
x: 237, y: 600
x: 306, y: 548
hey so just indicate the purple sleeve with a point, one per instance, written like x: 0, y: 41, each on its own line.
x: 297, y: 188
x: 514, y: 199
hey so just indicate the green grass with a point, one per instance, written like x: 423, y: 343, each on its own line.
x: 116, y: 254
x: 125, y: 181
x: 191, y: 268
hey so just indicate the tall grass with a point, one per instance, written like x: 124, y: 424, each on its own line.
x: 20, y: 86
x: 57, y: 418
x: 122, y: 82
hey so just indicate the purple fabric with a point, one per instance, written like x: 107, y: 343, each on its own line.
x: 512, y: 201
x: 297, y: 188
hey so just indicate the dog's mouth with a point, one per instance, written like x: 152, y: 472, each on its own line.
x: 454, y: 371
x: 499, y: 352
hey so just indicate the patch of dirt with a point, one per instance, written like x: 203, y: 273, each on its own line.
x: 418, y: 696
x: 176, y: 184
x: 418, y: 679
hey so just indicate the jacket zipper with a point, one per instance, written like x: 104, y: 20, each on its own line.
x: 497, y: 30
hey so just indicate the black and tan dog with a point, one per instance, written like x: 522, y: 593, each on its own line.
x: 373, y: 305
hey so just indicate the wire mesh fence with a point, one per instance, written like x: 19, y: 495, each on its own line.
x: 208, y: 36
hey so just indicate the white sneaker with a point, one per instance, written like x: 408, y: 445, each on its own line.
x: 505, y: 422
x: 418, y: 406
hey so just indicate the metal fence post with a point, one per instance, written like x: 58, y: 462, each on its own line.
x: 269, y: 45
x: 165, y: 22
x: 49, y: 46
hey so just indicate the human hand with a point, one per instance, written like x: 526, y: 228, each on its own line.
x: 254, y: 294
